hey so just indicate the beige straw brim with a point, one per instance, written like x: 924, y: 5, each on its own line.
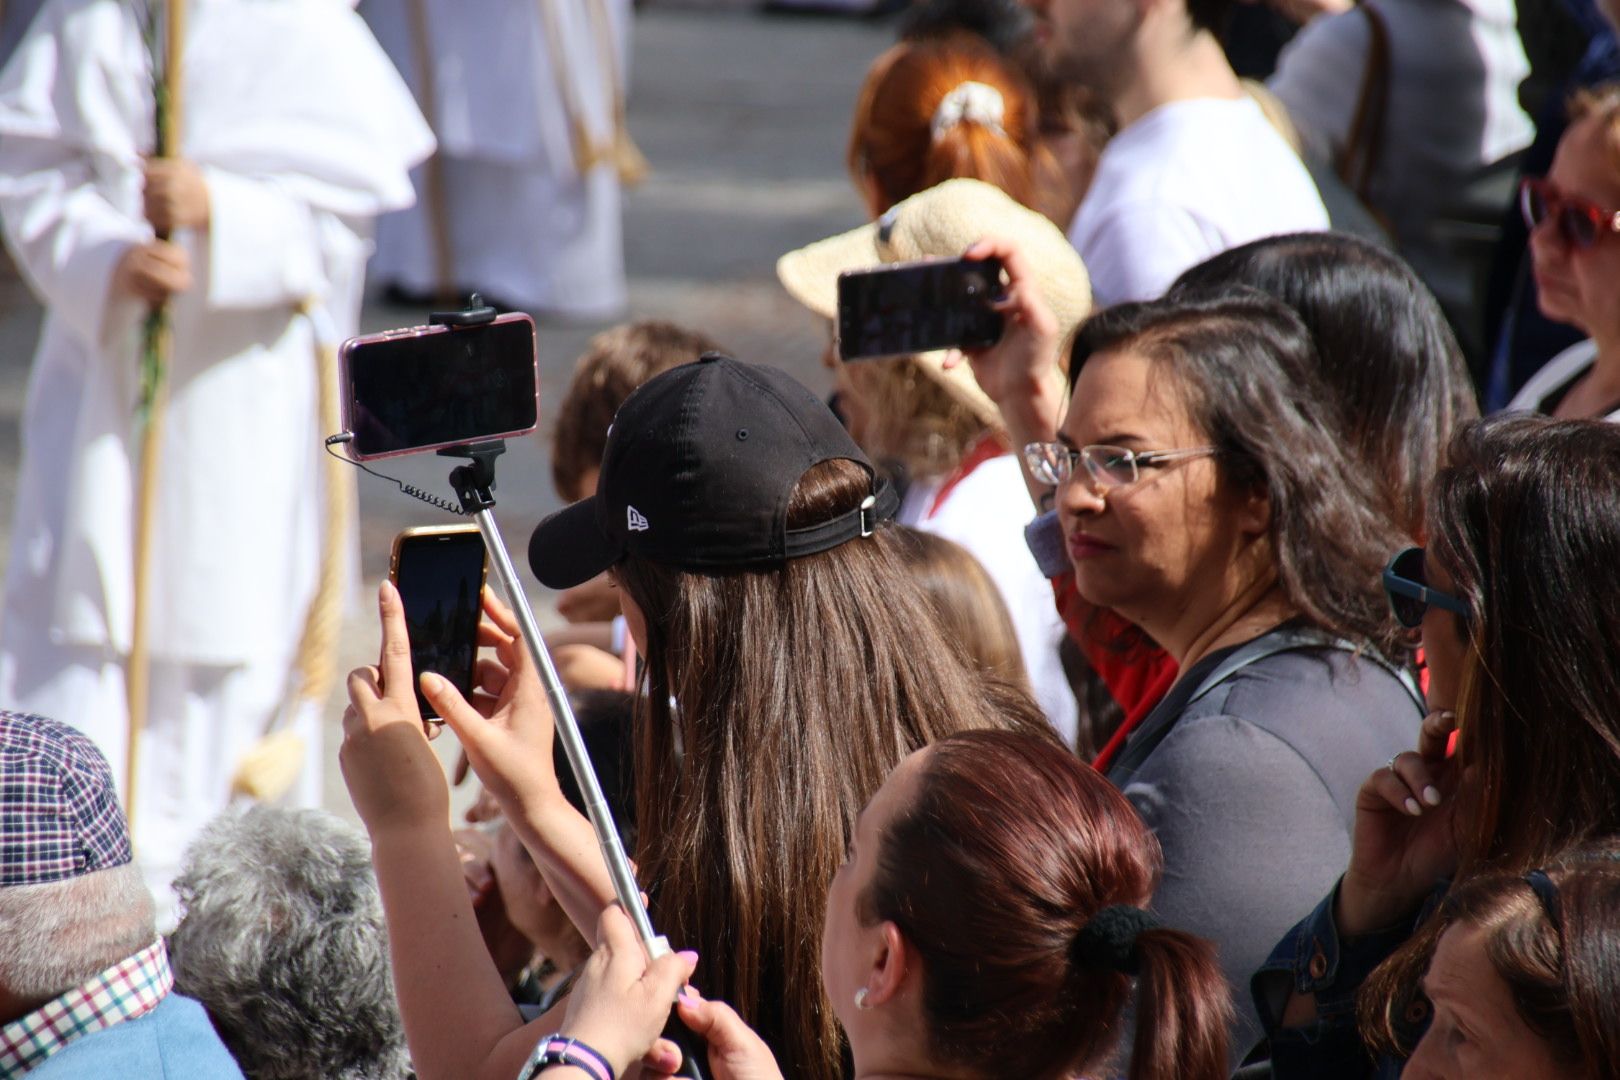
x: 943, y: 222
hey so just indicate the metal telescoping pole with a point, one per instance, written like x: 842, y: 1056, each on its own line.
x: 607, y: 835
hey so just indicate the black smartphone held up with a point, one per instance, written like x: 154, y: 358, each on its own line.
x: 426, y: 387
x: 439, y: 572
x: 919, y: 307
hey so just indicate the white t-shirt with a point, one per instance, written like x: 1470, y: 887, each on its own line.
x: 1554, y: 379
x: 986, y: 513
x: 1187, y: 181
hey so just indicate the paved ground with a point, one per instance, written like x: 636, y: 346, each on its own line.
x: 743, y: 117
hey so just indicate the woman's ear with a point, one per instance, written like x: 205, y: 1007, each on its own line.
x: 1254, y: 511
x: 891, y: 966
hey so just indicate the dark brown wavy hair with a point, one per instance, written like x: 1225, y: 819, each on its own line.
x: 1391, y: 365
x: 796, y: 691
x: 1525, y: 519
x: 1011, y: 847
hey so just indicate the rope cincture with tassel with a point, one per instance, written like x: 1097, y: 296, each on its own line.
x: 269, y: 769
x: 618, y: 149
x: 156, y: 347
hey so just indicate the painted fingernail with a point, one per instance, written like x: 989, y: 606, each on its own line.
x: 1412, y: 807
x: 1431, y: 795
x: 688, y: 994
x: 689, y: 955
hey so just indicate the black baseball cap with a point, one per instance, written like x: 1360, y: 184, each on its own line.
x: 700, y: 464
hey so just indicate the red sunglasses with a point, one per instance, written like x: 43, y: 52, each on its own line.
x: 1581, y: 222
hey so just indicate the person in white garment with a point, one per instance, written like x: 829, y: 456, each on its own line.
x: 1452, y: 79
x: 521, y: 203
x: 1194, y: 168
x: 295, y: 132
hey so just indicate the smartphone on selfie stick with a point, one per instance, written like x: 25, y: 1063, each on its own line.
x: 460, y: 387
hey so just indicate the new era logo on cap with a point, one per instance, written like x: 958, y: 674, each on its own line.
x: 637, y: 522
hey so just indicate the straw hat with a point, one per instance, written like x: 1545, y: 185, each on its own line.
x: 943, y: 222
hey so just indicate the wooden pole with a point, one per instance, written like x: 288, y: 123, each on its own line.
x: 137, y: 674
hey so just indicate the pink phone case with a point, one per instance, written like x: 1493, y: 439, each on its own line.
x: 357, y: 344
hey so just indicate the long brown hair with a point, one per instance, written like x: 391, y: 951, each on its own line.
x: 1525, y: 520
x: 797, y: 691
x: 892, y: 143
x: 1562, y: 974
x: 1012, y: 846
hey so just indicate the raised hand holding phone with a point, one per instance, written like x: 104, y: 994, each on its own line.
x: 1021, y: 372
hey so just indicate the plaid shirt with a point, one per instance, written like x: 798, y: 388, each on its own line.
x: 124, y: 991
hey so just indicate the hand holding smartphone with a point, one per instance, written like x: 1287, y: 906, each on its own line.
x: 439, y: 572
x: 917, y: 307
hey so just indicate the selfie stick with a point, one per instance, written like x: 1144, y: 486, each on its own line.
x: 474, y: 484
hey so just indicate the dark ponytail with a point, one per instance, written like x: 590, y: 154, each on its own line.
x: 1019, y: 875
x: 1182, y: 1008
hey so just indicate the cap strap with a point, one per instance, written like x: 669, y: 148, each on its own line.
x: 880, y: 506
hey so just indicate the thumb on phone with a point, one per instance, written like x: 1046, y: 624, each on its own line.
x: 735, y: 1052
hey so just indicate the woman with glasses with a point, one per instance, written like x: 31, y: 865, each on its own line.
x: 1204, y: 497
x: 1574, y: 219
x: 1515, y: 600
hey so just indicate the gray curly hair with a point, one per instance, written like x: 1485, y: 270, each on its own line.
x: 283, y: 941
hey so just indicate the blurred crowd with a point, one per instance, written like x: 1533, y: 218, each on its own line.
x: 1217, y: 674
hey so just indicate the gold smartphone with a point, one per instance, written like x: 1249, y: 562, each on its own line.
x: 439, y: 571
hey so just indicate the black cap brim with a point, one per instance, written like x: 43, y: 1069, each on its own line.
x: 569, y: 547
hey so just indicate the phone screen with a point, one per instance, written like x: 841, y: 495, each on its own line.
x: 440, y: 577
x: 441, y: 388
x: 918, y: 307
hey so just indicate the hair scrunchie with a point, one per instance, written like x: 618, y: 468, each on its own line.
x: 974, y: 102
x: 1108, y: 940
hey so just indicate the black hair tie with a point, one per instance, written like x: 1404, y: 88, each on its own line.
x: 1108, y: 940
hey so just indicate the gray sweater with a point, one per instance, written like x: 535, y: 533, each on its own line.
x: 1251, y: 791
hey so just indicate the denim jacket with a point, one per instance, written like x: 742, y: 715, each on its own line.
x: 1313, y: 958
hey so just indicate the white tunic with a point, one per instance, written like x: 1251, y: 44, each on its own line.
x: 303, y: 132
x: 502, y: 80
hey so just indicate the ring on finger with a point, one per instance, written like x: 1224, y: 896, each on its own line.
x: 1390, y: 765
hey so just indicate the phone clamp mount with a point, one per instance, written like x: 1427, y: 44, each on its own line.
x: 474, y: 485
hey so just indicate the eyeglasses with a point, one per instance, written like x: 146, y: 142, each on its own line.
x: 1409, y: 593
x: 1108, y: 466
x: 1581, y: 222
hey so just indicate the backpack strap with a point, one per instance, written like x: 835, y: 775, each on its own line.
x: 1158, y: 724
x: 1293, y: 638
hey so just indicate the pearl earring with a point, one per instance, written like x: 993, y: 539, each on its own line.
x: 860, y: 999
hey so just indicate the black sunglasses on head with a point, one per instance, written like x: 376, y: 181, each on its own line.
x: 1408, y: 590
